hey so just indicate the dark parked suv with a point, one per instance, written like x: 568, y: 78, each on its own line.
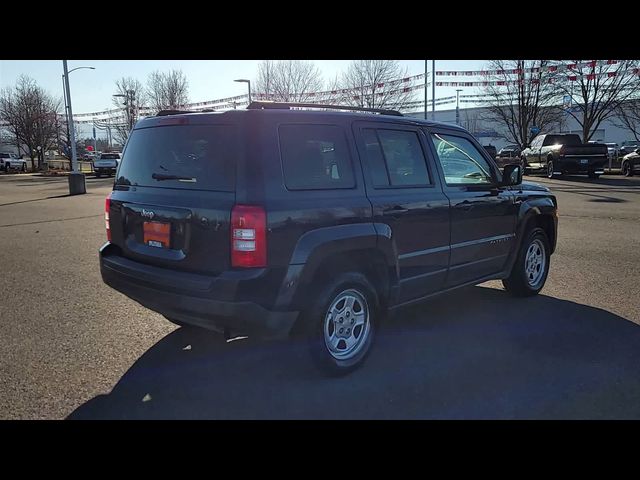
x: 277, y: 220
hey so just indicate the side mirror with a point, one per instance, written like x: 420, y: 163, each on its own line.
x: 511, y: 175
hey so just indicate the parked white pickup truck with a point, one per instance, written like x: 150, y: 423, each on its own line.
x: 107, y: 164
x: 10, y: 161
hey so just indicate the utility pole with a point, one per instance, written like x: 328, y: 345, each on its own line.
x: 95, y: 144
x: 132, y: 116
x: 458, y: 106
x: 425, y: 89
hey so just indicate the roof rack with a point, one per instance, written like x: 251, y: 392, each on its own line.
x: 289, y: 105
x: 162, y: 113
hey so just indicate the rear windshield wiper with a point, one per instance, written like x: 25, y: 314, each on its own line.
x: 162, y: 176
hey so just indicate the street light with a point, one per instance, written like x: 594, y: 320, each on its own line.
x: 64, y: 93
x: 242, y: 80
x: 458, y: 106
x: 77, y: 184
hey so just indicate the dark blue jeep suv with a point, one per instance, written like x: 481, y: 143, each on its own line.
x: 288, y: 219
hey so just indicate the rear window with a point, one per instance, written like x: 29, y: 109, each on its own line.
x: 315, y: 157
x: 109, y: 156
x: 191, y: 157
x: 562, y: 140
x: 4, y: 155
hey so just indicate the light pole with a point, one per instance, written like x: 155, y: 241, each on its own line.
x: 242, y: 80
x: 433, y: 90
x: 64, y: 93
x: 77, y: 184
x: 458, y: 106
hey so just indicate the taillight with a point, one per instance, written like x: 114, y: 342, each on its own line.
x: 248, y: 236
x: 107, y: 206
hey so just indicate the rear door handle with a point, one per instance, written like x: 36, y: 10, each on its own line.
x: 397, y: 210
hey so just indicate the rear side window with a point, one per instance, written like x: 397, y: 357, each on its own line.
x: 192, y: 157
x: 315, y: 157
x: 395, y: 158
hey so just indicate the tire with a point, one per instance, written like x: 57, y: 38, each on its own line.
x: 549, y: 169
x: 24, y: 168
x: 348, y: 298
x: 594, y: 175
x: 627, y: 171
x: 525, y: 279
x: 98, y: 174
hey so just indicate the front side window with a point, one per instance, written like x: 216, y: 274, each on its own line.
x: 461, y: 161
x: 315, y: 157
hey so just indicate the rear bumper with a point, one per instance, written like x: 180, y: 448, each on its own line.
x: 191, y: 298
x: 567, y: 165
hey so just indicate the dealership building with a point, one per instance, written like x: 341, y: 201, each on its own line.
x: 489, y: 133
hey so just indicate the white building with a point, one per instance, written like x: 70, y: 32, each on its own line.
x: 488, y: 133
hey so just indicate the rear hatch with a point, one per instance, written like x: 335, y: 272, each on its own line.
x: 174, y: 191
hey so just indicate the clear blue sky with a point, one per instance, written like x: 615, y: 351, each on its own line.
x: 91, y: 90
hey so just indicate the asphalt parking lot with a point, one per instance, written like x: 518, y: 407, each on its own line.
x: 72, y: 348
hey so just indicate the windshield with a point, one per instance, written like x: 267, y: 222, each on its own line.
x: 194, y: 157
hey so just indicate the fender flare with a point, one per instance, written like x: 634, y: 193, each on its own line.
x: 314, y: 246
x: 529, y: 209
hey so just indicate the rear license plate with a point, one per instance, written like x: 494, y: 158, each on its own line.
x: 584, y: 160
x: 157, y: 234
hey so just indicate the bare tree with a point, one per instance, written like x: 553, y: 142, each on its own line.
x: 31, y: 117
x: 264, y: 83
x: 517, y: 102
x: 627, y: 116
x: 376, y: 84
x: 597, y: 89
x: 167, y: 90
x: 130, y: 96
x: 288, y: 80
x: 64, y: 138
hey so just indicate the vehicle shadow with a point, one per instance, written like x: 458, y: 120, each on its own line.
x: 475, y: 354
x: 603, y: 180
